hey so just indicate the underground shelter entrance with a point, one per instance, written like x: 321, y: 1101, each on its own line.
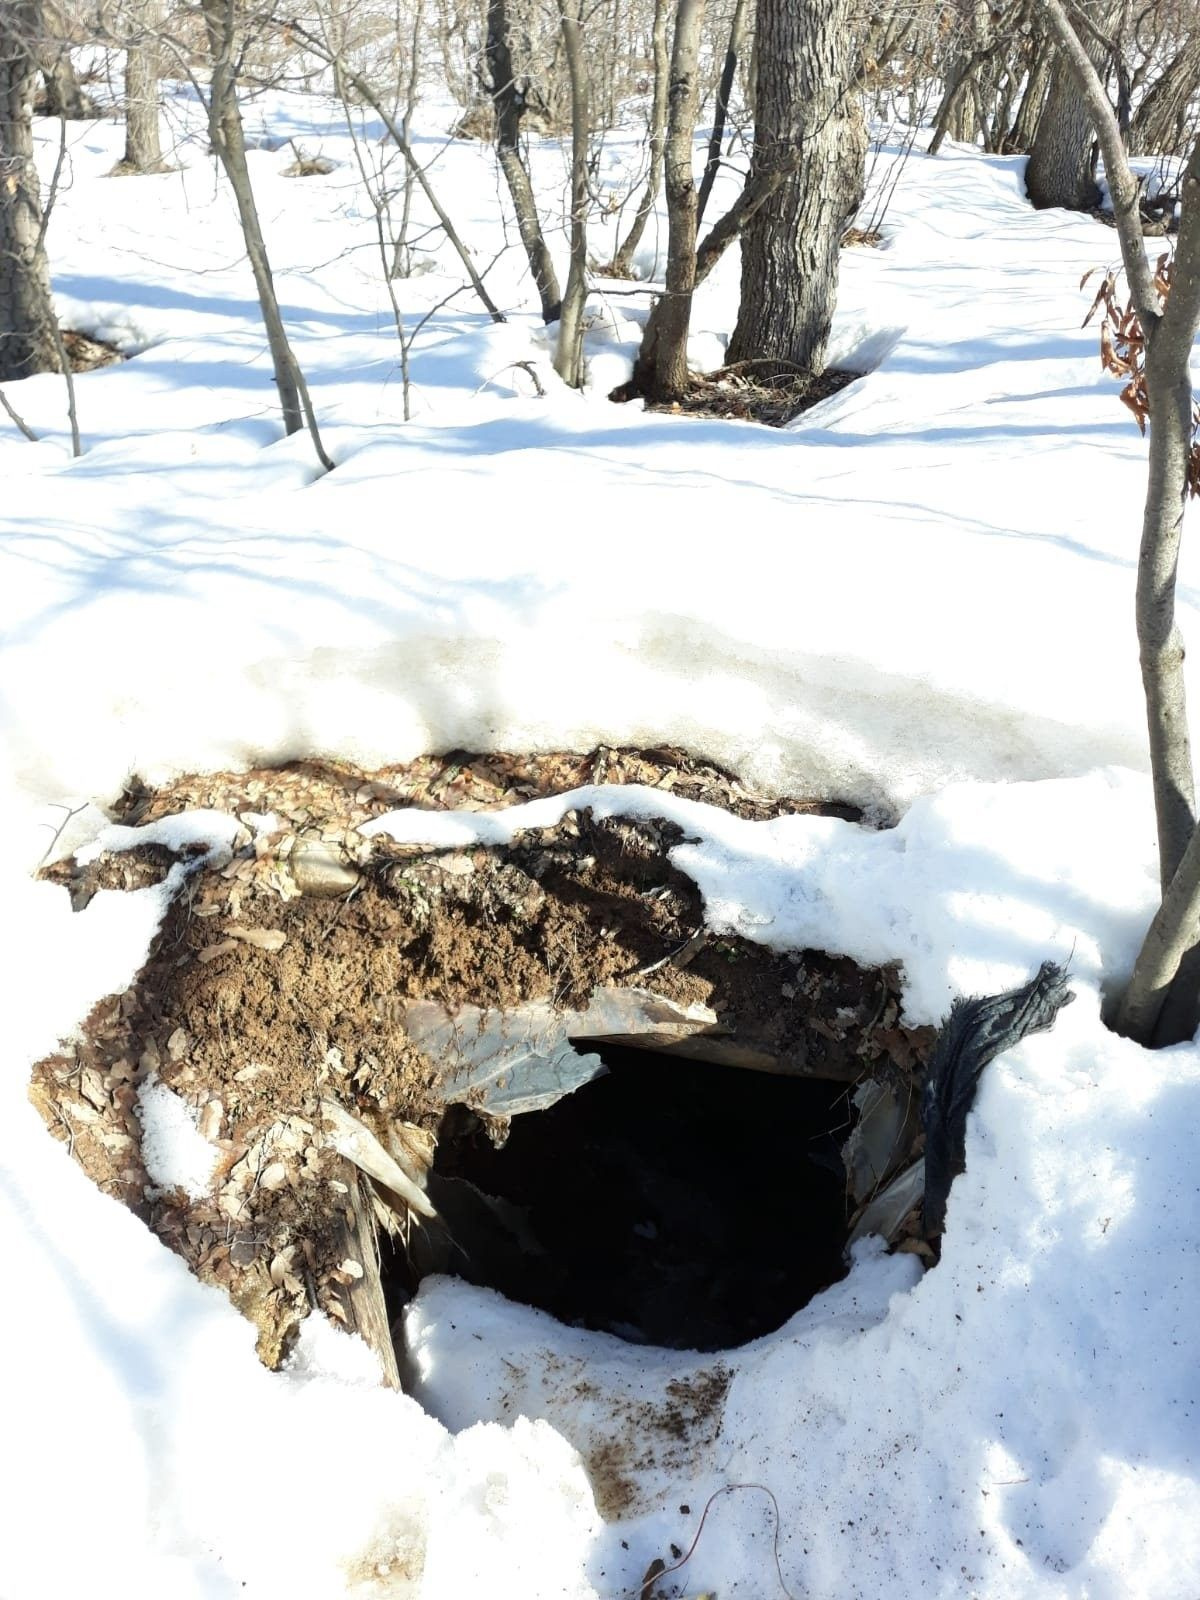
x: 670, y: 1202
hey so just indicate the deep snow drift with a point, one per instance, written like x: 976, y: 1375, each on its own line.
x: 920, y: 598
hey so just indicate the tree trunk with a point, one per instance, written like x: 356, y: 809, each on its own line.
x: 1156, y: 125
x: 1162, y: 1002
x: 675, y: 308
x: 509, y: 101
x: 568, y: 352
x: 27, y: 323
x: 733, y: 51
x: 1029, y: 112
x: 622, y: 262
x: 64, y: 97
x: 229, y: 143
x: 807, y: 118
x: 143, y: 151
x: 1062, y: 162
x: 961, y: 99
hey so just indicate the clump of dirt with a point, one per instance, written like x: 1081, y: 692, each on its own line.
x: 309, y: 167
x: 771, y: 392
x: 86, y: 353
x: 862, y: 239
x: 259, y: 1000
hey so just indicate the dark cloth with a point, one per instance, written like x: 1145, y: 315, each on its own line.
x: 975, y: 1032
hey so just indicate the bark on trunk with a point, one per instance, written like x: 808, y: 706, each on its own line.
x: 1062, y: 162
x: 27, y: 324
x: 806, y: 117
x: 509, y: 101
x: 64, y: 97
x: 229, y: 142
x: 733, y: 52
x: 1162, y: 1002
x: 1029, y: 112
x: 143, y: 150
x: 964, y: 91
x: 667, y: 378
x: 622, y: 262
x: 568, y: 352
x: 1157, y: 124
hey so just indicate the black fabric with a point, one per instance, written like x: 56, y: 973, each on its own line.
x: 975, y: 1032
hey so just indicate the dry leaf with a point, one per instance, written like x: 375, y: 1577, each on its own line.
x: 261, y: 938
x: 212, y: 951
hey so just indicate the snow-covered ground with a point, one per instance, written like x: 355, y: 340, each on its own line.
x: 919, y: 597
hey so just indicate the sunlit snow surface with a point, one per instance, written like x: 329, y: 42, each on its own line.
x: 928, y: 580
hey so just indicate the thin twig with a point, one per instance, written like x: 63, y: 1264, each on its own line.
x: 17, y: 419
x: 56, y: 335
x: 58, y: 831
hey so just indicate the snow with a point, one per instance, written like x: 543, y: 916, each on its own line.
x: 919, y: 597
x: 175, y: 1152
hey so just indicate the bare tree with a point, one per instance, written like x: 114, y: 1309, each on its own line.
x: 1162, y: 1002
x: 809, y: 121
x: 662, y: 363
x: 510, y: 98
x: 1062, y: 162
x: 64, y: 95
x: 973, y: 52
x: 27, y: 321
x: 1037, y: 85
x: 568, y: 351
x: 622, y: 262
x: 1158, y: 121
x: 229, y: 142
x: 140, y: 25
x: 733, y: 54
x: 327, y: 51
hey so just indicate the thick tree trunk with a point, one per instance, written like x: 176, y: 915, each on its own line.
x: 143, y: 150
x: 509, y: 100
x: 568, y: 351
x: 1029, y: 112
x: 1062, y: 162
x: 27, y: 324
x: 1157, y: 124
x: 808, y: 119
x: 622, y: 262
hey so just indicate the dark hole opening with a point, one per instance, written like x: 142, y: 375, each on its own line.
x: 670, y: 1202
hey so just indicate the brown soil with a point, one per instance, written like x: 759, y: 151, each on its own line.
x: 309, y: 167
x: 459, y: 780
x: 672, y: 1436
x: 86, y: 354
x: 750, y: 392
x: 257, y: 1000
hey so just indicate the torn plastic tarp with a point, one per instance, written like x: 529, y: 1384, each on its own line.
x: 976, y: 1032
x: 507, y: 1061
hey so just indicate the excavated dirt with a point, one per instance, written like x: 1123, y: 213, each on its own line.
x: 258, y: 1001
